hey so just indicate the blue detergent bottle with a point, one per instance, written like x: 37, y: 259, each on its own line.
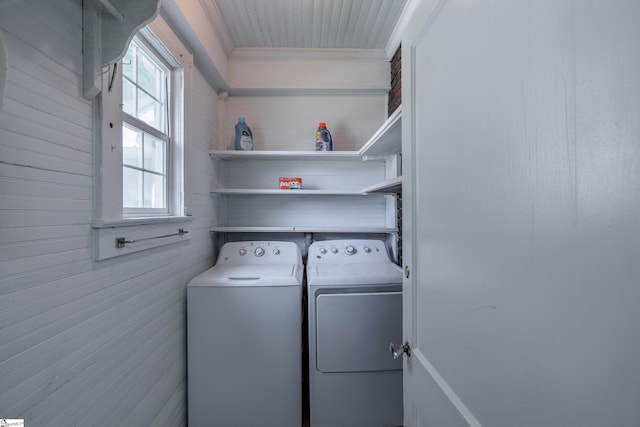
x: 323, y: 138
x: 244, y: 137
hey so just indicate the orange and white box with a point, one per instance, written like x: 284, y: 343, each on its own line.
x: 288, y: 183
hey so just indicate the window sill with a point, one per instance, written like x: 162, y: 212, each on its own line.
x: 125, y: 236
x: 129, y: 222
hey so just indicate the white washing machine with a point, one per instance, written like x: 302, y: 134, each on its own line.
x: 355, y: 311
x: 244, y: 338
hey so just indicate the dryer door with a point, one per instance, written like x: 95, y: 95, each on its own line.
x: 353, y: 331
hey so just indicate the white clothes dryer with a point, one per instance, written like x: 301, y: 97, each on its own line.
x: 244, y: 338
x: 355, y: 311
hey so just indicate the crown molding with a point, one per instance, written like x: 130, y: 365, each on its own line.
x: 255, y: 92
x: 217, y: 23
x: 374, y: 55
x: 396, y: 35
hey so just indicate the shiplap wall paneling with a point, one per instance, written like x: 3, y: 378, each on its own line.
x: 83, y: 342
x: 306, y: 211
x: 201, y: 170
x: 290, y: 122
x: 342, y: 175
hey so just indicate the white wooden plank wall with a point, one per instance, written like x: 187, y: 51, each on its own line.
x: 304, y: 212
x: 288, y: 208
x: 290, y: 122
x: 339, y: 175
x: 83, y: 342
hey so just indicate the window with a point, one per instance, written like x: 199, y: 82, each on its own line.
x: 140, y: 140
x: 146, y: 151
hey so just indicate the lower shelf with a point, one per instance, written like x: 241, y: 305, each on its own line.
x: 303, y: 230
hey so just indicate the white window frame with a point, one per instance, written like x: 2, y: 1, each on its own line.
x: 146, y: 41
x: 110, y: 220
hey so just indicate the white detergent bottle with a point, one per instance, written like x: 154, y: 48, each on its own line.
x: 244, y: 137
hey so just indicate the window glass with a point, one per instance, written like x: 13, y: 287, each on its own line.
x: 132, y: 188
x: 145, y: 138
x: 128, y: 97
x: 154, y: 155
x: 129, y: 63
x: 144, y: 178
x: 131, y: 146
x: 154, y: 190
x: 145, y: 86
x: 150, y: 111
x: 149, y: 76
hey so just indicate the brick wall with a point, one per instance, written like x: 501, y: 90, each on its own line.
x: 395, y: 94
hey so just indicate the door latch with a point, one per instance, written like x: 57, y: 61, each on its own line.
x: 399, y: 351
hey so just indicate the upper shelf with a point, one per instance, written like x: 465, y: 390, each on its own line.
x: 284, y: 155
x: 388, y: 139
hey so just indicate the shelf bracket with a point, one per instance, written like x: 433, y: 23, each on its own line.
x: 107, y: 28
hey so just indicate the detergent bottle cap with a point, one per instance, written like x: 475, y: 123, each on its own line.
x: 322, y: 125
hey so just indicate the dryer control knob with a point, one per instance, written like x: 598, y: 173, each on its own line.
x: 276, y: 251
x: 367, y: 249
x: 258, y: 252
x: 323, y: 251
x: 350, y: 250
x: 334, y: 250
x: 242, y: 251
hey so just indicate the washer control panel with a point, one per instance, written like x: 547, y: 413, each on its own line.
x: 348, y: 251
x: 262, y: 252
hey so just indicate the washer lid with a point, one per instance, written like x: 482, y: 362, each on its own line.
x: 249, y: 275
x: 336, y: 274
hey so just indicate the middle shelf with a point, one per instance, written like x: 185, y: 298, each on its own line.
x: 331, y: 198
x: 330, y: 173
x: 288, y: 193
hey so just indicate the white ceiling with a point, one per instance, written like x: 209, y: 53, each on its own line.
x: 305, y: 24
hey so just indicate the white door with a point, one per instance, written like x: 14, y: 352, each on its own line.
x: 521, y: 176
x: 429, y: 400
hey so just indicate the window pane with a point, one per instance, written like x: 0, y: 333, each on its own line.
x: 145, y: 157
x: 129, y: 63
x: 150, y: 111
x: 154, y: 191
x: 154, y: 154
x: 128, y: 97
x: 150, y: 76
x: 131, y: 146
x: 131, y: 188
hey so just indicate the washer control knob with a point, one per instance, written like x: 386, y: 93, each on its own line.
x: 242, y: 251
x: 276, y: 251
x: 334, y: 250
x: 350, y: 250
x: 323, y: 251
x: 258, y: 252
x: 367, y: 249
